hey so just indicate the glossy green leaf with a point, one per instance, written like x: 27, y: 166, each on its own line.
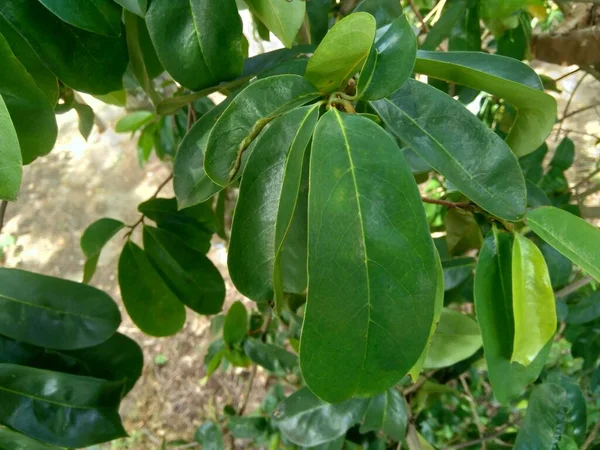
x: 93, y: 239
x: 86, y: 119
x: 197, y: 50
x: 336, y: 444
x: 134, y: 121
x: 384, y: 11
x: 31, y: 114
x: 494, y: 308
x: 282, y: 17
x: 533, y: 301
x: 98, y: 16
x: 456, y: 271
x: 342, y: 53
x: 585, y: 310
x: 266, y: 206
x: 456, y: 337
x: 190, y: 274
x: 152, y: 306
x: 317, y: 12
x: 503, y: 77
x: 575, y: 415
x: 10, y: 155
x: 60, y: 409
x: 573, y: 237
x: 12, y: 440
x: 307, y: 420
x: 247, y: 427
x: 471, y: 156
x: 84, y: 61
x: 390, y: 62
x: 564, y: 155
x: 249, y: 112
x: 271, y: 357
x: 386, y: 412
x: 54, y: 313
x: 210, y: 436
x: 452, y: 13
x: 359, y: 290
x: 544, y: 419
x: 236, y: 324
x: 138, y: 7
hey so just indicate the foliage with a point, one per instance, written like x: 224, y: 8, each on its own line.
x: 346, y: 163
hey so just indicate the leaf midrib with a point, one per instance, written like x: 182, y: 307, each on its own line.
x: 47, y: 308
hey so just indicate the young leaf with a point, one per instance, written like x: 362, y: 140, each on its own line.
x: 444, y: 26
x: 282, y: 17
x: 249, y: 112
x: 134, y: 121
x: 342, y: 53
x: 386, y: 412
x: 271, y: 357
x: 472, y: 157
x: 236, y: 324
x: 210, y: 436
x: 17, y: 441
x: 359, y: 284
x: 195, y: 48
x: 266, y: 206
x: 390, y: 62
x: 10, y: 155
x: 60, y: 409
x: 138, y: 7
x: 54, y: 313
x: 307, y: 420
x: 93, y: 239
x: 150, y: 303
x: 503, y: 77
x: 86, y: 119
x: 573, y: 237
x: 189, y: 273
x: 98, y: 16
x: 84, y: 61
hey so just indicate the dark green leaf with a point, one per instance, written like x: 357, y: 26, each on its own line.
x: 503, y: 77
x: 214, y: 356
x: 266, y: 206
x: 283, y: 17
x: 317, y: 12
x: 587, y: 344
x: 134, y: 121
x: 150, y: 303
x: 462, y: 231
x: 466, y: 34
x: 60, y: 409
x: 494, y: 308
x: 536, y: 197
x: 54, y: 313
x: 271, y: 357
x: 84, y: 61
x: 564, y: 155
x: 342, y: 53
x: 515, y: 42
x: 559, y: 266
x: 197, y: 50
x: 386, y: 412
x: 98, y: 16
x: 491, y: 177
x: 456, y: 271
x: 10, y: 155
x: 189, y: 273
x: 31, y: 114
x: 210, y: 436
x: 384, y: 11
x: 573, y: 237
x: 138, y: 7
x: 249, y: 112
x: 236, y: 324
x: 93, y: 239
x: 12, y: 440
x: 390, y: 62
x: 247, y: 427
x: 531, y: 164
x: 358, y: 283
x: 86, y: 119
x: 443, y: 28
x: 575, y: 415
x: 585, y: 310
x: 307, y: 420
x: 554, y: 181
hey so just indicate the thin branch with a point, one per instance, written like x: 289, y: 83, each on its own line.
x: 567, y: 131
x: 416, y: 12
x: 591, y: 437
x: 587, y: 179
x: 490, y: 437
x: 435, y: 201
x: 141, y: 219
x: 473, y: 405
x: 566, y: 75
x: 568, y: 105
x: 3, y: 206
x: 580, y: 110
x: 574, y: 286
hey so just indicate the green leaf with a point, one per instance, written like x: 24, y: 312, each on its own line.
x: 336, y: 444
x: 249, y: 112
x: 152, y: 306
x: 145, y: 143
x: 210, y: 436
x: 559, y: 266
x: 516, y: 42
x: 189, y: 273
x: 282, y: 17
x: 358, y: 282
x: 503, y: 77
x: 586, y: 345
x: 138, y: 7
x: 564, y: 155
x: 462, y: 231
x: 236, y: 324
x: 386, y: 412
x: 93, y: 239
x: 116, y: 98
x: 197, y: 50
x: 12, y: 440
x: 533, y: 301
x: 443, y: 28
x: 271, y: 357
x: 390, y: 62
x: 573, y: 237
x: 247, y: 427
x: 31, y: 114
x: 308, y: 421
x: 86, y: 119
x: 98, y: 16
x: 585, y: 310
x: 456, y: 337
x: 536, y: 197
x: 494, y: 309
x: 58, y: 408
x: 576, y: 411
x: 544, y: 419
x: 472, y: 157
x: 384, y: 11
x: 10, y: 155
x: 456, y: 271
x: 466, y: 34
x: 531, y: 164
x: 266, y: 206
x: 54, y: 313
x: 84, y: 61
x: 134, y: 121
x: 342, y: 53
x: 317, y: 12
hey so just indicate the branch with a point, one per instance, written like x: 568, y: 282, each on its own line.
x: 490, y: 437
x: 473, y: 405
x: 573, y: 287
x: 579, y: 46
x: 3, y: 206
x: 592, y: 436
x: 580, y: 110
x: 568, y: 105
x: 416, y: 12
x: 434, y: 201
x: 568, y: 74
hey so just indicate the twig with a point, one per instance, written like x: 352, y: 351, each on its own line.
x: 568, y: 105
x: 184, y: 446
x: 415, y: 10
x: 3, y: 206
x: 141, y: 219
x: 592, y: 437
x: 566, y: 75
x: 490, y: 437
x: 580, y: 110
x: 567, y: 131
x: 574, y: 286
x: 587, y: 179
x: 434, y: 201
x: 473, y: 405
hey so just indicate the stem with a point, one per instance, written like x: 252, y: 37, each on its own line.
x: 568, y: 105
x: 434, y: 201
x: 141, y: 219
x: 573, y: 287
x: 591, y: 437
x: 580, y: 110
x: 416, y: 12
x: 490, y: 437
x: 473, y: 405
x: 3, y: 206
x: 566, y: 75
